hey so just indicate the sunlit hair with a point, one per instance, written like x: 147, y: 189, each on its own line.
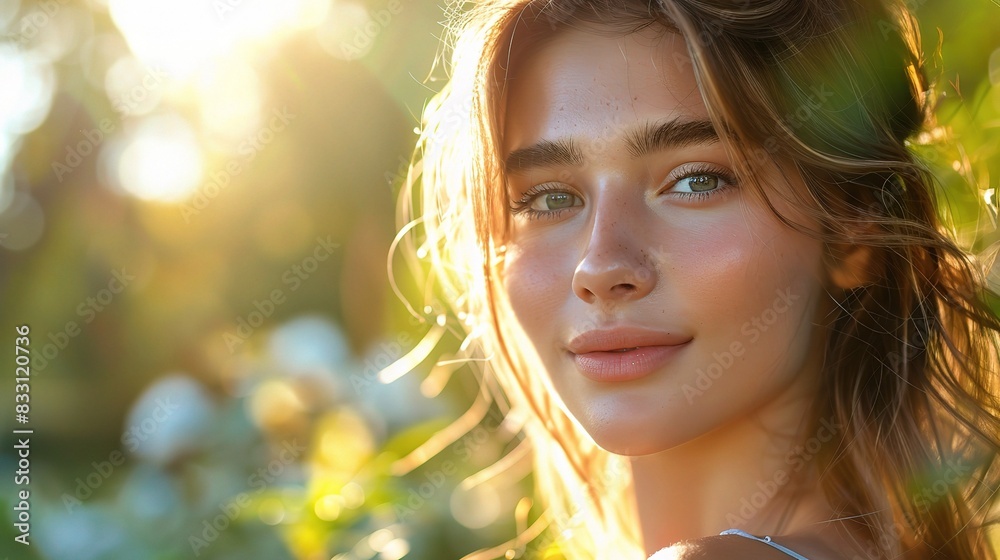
x: 910, y: 366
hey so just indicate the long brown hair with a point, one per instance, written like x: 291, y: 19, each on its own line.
x: 839, y: 89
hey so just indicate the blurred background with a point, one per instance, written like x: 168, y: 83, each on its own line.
x: 196, y: 206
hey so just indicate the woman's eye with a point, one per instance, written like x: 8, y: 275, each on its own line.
x: 545, y: 200
x: 701, y: 182
x: 554, y: 201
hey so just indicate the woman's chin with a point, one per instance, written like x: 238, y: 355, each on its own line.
x: 638, y: 436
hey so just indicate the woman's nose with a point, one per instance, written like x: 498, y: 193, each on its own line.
x: 615, y: 266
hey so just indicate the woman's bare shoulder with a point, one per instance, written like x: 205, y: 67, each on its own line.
x: 726, y: 547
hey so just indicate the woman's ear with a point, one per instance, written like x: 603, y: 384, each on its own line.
x: 850, y: 265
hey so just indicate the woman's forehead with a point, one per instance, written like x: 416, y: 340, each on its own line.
x: 581, y: 83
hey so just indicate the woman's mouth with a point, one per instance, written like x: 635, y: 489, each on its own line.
x: 623, y: 353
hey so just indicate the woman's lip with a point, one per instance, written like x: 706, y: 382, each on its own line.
x: 622, y: 336
x: 625, y: 366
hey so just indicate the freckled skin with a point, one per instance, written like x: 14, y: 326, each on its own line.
x: 630, y: 255
x: 632, y: 252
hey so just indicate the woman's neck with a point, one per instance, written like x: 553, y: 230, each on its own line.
x: 748, y: 474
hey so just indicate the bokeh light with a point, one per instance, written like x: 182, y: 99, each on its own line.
x: 160, y: 160
x: 342, y: 33
x: 238, y: 162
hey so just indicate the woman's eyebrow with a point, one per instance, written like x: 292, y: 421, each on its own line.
x: 644, y: 139
x: 654, y: 136
x: 544, y: 153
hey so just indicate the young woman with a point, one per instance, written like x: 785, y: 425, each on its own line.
x: 709, y: 275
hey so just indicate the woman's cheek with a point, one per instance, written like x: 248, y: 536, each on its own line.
x: 713, y: 264
x: 731, y: 272
x: 531, y: 281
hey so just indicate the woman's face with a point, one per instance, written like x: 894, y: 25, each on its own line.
x: 662, y: 298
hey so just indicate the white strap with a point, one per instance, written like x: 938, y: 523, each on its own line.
x: 765, y: 540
